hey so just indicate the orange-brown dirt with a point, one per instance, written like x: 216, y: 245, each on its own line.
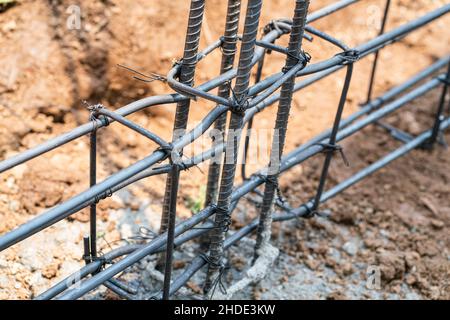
x: 47, y: 70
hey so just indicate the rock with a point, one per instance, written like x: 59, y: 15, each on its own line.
x: 51, y: 270
x: 40, y: 123
x: 427, y: 248
x: 392, y: 265
x: 373, y: 243
x: 411, y: 259
x: 437, y: 224
x: 411, y: 122
x: 347, y: 269
x: 312, y: 264
x: 336, y: 295
x: 410, y: 279
x: 178, y: 264
x: 10, y: 26
x: 4, y: 281
x: 369, y: 211
x: 135, y: 205
x: 335, y: 255
x: 351, y: 247
x: 430, y: 205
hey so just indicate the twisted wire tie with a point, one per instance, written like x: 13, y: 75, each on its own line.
x: 93, y: 111
x: 313, y: 212
x: 104, y: 261
x: 225, y: 223
x: 378, y: 100
x: 168, y: 149
x: 239, y: 106
x: 222, y: 266
x: 182, y: 63
x: 108, y: 193
x: 273, y: 25
x: 87, y: 258
x: 145, y: 78
x: 303, y: 57
x: 349, y: 56
x: 273, y: 180
x: 328, y: 147
x: 227, y: 52
x: 144, y: 233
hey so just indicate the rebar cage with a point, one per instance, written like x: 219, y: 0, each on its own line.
x: 241, y: 102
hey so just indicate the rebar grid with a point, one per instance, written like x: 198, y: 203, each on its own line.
x: 243, y: 103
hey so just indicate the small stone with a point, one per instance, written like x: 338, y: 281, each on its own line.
x: 3, y: 263
x: 9, y: 26
x: 51, y: 270
x: 178, y: 264
x: 392, y: 264
x: 384, y: 233
x: 437, y: 224
x: 335, y: 254
x: 336, y: 296
x: 347, y: 269
x: 411, y: 259
x: 410, y: 279
x: 396, y: 289
x: 350, y: 247
x: 369, y: 210
x: 312, y: 264
x: 135, y: 206
x: 194, y: 287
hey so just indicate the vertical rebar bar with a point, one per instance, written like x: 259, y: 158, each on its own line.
x: 333, y: 139
x: 377, y: 53
x: 250, y: 123
x: 232, y: 144
x: 92, y: 182
x: 228, y: 57
x: 187, y: 73
x: 439, y: 117
x: 86, y: 250
x: 170, y: 234
x: 284, y: 106
x: 229, y: 45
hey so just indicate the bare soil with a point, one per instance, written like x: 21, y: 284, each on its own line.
x: 398, y: 219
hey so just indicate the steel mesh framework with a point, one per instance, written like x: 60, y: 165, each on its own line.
x: 242, y: 102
